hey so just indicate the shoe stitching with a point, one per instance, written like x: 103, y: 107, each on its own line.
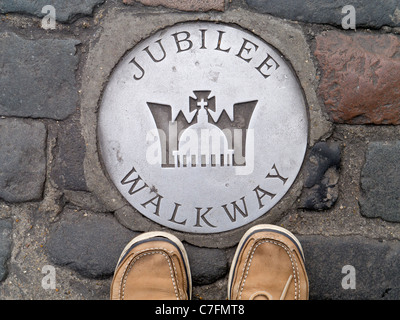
x: 296, y: 277
x: 249, y: 259
x: 245, y: 264
x: 135, y: 259
x: 140, y: 254
x: 252, y: 251
x: 185, y: 284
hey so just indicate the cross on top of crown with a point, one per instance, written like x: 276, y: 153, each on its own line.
x: 202, y: 103
x: 202, y: 112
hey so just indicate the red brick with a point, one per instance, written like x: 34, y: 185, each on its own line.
x: 185, y: 5
x: 360, y: 81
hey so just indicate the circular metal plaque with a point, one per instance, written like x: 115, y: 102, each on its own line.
x: 203, y: 127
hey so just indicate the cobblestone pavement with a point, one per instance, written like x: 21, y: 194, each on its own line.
x: 59, y: 214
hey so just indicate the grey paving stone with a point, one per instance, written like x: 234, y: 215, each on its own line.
x: 376, y: 265
x: 66, y: 11
x: 22, y: 159
x: 67, y: 171
x: 92, y: 243
x: 373, y: 13
x: 5, y: 246
x: 206, y: 265
x: 88, y: 243
x: 38, y: 77
x: 322, y: 175
x: 380, y: 181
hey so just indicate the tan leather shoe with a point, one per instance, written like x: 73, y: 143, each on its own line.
x: 268, y: 264
x: 153, y: 266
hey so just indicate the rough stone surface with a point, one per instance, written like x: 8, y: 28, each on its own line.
x: 88, y: 243
x: 92, y: 243
x: 380, y: 181
x: 322, y: 174
x: 5, y: 246
x: 66, y: 11
x: 184, y: 5
x: 22, y: 159
x: 376, y: 266
x: 360, y: 77
x: 368, y: 13
x: 38, y: 77
x: 206, y: 265
x: 67, y: 171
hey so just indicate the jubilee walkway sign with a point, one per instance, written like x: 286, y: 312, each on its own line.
x: 203, y: 127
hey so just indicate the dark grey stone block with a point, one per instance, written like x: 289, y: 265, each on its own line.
x: 89, y: 244
x: 66, y: 11
x: 67, y: 172
x: 380, y: 181
x: 374, y: 13
x: 22, y: 160
x: 207, y: 265
x: 376, y: 267
x: 37, y: 77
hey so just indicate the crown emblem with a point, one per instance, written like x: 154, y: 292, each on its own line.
x: 199, y: 136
